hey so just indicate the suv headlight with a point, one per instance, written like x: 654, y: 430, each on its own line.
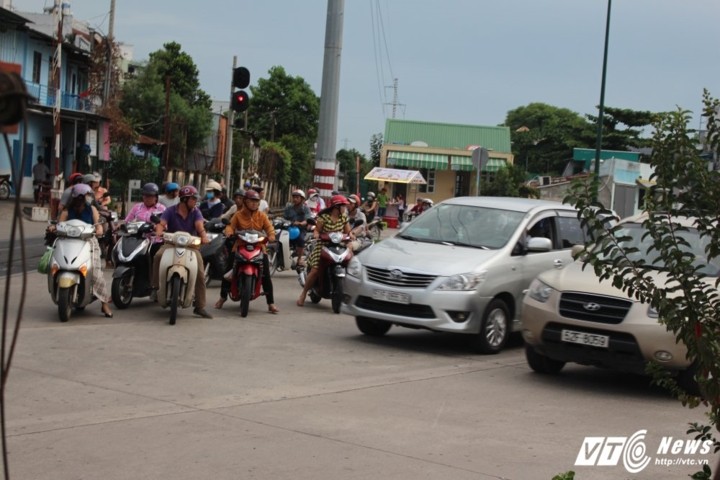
x: 354, y: 268
x: 463, y: 281
x: 540, y: 291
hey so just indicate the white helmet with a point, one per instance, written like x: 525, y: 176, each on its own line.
x: 213, y: 185
x: 371, y: 195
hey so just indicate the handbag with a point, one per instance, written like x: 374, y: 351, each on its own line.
x: 44, y: 264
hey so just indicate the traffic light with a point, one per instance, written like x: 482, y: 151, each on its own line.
x: 240, y: 101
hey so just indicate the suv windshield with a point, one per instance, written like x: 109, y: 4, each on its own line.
x: 477, y: 227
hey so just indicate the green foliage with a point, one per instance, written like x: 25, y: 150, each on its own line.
x: 615, y: 138
x: 125, y: 166
x: 276, y: 163
x: 348, y: 168
x: 376, y: 143
x: 570, y: 475
x: 688, y: 303
x: 506, y: 182
x: 184, y: 76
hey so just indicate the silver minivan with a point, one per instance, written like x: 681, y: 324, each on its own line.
x: 461, y: 267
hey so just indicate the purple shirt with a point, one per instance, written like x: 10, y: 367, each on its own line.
x: 175, y: 223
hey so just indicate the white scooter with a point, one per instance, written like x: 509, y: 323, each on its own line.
x: 281, y: 256
x: 70, y: 273
x: 178, y: 271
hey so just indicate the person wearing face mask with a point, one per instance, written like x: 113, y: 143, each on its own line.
x: 81, y: 208
x: 212, y: 206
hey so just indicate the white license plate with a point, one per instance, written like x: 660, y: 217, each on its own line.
x: 583, y: 338
x: 389, y: 296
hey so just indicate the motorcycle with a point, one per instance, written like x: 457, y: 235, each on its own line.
x: 109, y: 219
x: 70, y: 276
x: 375, y: 228
x: 133, y: 263
x: 5, y: 186
x: 178, y: 271
x: 247, y: 272
x: 334, y: 258
x: 281, y: 256
x: 214, y: 254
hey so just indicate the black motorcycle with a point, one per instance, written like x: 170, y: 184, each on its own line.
x: 5, y: 186
x: 215, y: 253
x: 133, y: 263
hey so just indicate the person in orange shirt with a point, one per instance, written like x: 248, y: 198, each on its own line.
x: 249, y: 217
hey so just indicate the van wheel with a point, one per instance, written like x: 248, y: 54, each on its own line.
x: 372, y: 328
x: 540, y: 363
x: 686, y: 380
x: 495, y: 328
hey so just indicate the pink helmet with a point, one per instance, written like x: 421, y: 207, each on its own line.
x: 188, y: 191
x: 338, y: 200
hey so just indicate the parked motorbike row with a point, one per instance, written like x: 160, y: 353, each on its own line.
x: 70, y: 267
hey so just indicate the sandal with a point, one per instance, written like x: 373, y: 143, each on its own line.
x: 219, y: 304
x: 273, y: 309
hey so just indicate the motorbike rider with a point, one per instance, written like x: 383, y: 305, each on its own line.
x: 81, y: 208
x: 170, y: 197
x: 264, y: 206
x: 73, y: 180
x: 238, y: 198
x: 358, y: 220
x: 184, y: 217
x: 142, y: 211
x: 249, y: 217
x: 212, y: 206
x: 315, y: 202
x: 333, y: 219
x: 298, y: 213
x: 370, y: 207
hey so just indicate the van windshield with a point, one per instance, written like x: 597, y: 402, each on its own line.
x: 478, y: 227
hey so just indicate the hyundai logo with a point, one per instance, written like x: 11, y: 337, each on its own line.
x: 396, y: 274
x: 592, y: 307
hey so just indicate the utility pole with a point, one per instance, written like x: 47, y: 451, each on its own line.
x: 395, y: 103
x: 325, y: 172
x: 167, y: 128
x: 229, y: 135
x: 110, y: 42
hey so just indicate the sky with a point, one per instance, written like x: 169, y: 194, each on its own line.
x: 456, y: 61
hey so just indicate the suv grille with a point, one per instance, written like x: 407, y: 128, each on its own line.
x: 594, y: 308
x: 398, y: 278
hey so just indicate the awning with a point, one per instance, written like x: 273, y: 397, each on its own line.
x: 493, y: 165
x: 395, y: 175
x: 431, y: 161
x: 461, y: 163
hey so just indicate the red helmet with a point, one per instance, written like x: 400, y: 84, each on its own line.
x: 74, y: 177
x: 354, y: 199
x: 252, y: 195
x: 188, y: 191
x: 336, y: 200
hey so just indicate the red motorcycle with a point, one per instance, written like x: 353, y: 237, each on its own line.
x: 334, y: 258
x: 247, y: 271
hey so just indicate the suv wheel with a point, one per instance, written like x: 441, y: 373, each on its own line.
x: 540, y: 363
x: 495, y: 328
x: 373, y: 328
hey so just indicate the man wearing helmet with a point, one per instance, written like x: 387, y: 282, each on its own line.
x: 142, y: 211
x: 249, y: 217
x: 238, y: 198
x: 315, y: 202
x: 81, y: 207
x: 358, y: 220
x: 333, y: 219
x: 264, y: 206
x: 212, y: 206
x: 185, y: 217
x: 170, y: 197
x: 370, y: 207
x: 298, y: 213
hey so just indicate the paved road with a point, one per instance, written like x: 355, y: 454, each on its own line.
x: 300, y: 395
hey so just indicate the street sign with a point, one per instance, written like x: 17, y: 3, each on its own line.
x: 135, y: 184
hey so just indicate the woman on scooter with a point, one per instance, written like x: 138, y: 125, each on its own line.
x: 142, y: 211
x: 249, y: 217
x: 81, y: 208
x: 332, y: 219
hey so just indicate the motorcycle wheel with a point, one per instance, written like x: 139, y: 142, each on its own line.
x: 121, y: 291
x: 4, y: 191
x: 174, y: 298
x: 337, y: 295
x: 246, y: 289
x: 273, y: 259
x: 64, y: 304
x: 208, y: 273
x: 314, y: 297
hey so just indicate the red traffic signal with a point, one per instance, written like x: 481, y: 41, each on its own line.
x: 239, y: 101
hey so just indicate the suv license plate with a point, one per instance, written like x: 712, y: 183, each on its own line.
x: 583, y: 338
x: 389, y: 296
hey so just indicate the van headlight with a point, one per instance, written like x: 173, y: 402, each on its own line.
x: 540, y: 291
x: 463, y: 281
x: 354, y: 268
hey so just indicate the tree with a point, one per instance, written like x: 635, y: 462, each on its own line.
x: 506, y: 182
x: 687, y: 303
x: 376, y: 143
x: 348, y: 168
x: 125, y: 166
x: 615, y: 138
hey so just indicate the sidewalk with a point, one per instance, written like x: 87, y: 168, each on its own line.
x: 32, y: 229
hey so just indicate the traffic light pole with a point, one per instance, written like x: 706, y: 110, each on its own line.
x: 229, y: 136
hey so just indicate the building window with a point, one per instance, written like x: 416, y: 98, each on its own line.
x: 428, y: 175
x: 37, y: 65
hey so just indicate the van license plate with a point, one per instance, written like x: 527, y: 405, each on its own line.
x: 583, y: 338
x: 389, y: 296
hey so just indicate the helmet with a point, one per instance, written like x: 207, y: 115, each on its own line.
x: 257, y: 188
x: 336, y: 200
x: 188, y: 191
x: 89, y: 178
x: 294, y: 232
x: 298, y: 193
x: 80, y: 190
x: 213, y: 185
x: 371, y: 195
x: 248, y: 184
x: 172, y: 187
x: 312, y: 192
x: 427, y: 201
x: 239, y: 193
x: 150, y: 189
x: 354, y: 199
x: 75, y: 177
x: 252, y: 195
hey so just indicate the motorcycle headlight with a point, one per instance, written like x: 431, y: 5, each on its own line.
x: 463, y: 281
x: 182, y: 241
x: 336, y: 237
x: 73, y: 231
x: 354, y: 268
x: 540, y: 291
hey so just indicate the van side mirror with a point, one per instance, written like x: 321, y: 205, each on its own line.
x: 539, y: 244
